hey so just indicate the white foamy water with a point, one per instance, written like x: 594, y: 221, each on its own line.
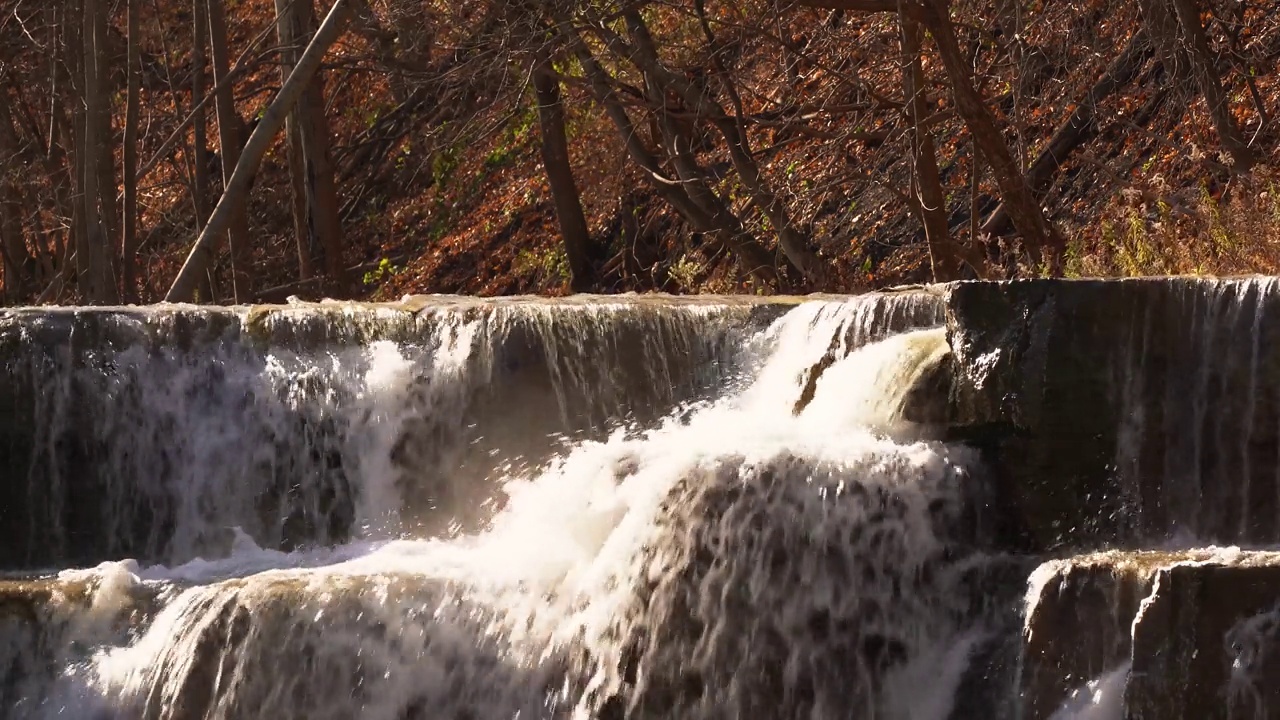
x: 735, y: 560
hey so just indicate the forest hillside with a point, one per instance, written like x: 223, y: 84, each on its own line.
x: 252, y: 150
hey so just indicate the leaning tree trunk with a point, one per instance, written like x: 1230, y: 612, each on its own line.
x: 555, y: 159
x: 229, y: 140
x: 1206, y: 75
x: 273, y: 119
x: 1079, y: 127
x: 946, y: 255
x: 1041, y: 239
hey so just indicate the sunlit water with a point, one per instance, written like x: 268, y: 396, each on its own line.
x: 735, y: 559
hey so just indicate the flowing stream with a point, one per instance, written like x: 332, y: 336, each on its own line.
x: 771, y: 532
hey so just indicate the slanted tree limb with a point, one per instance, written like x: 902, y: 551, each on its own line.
x: 946, y: 255
x: 1081, y: 125
x: 237, y: 187
x: 1206, y: 75
x: 243, y: 63
x: 791, y: 240
x: 717, y: 221
x: 1040, y: 238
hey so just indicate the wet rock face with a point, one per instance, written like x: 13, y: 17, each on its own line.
x: 1198, y: 630
x: 925, y: 402
x: 48, y: 358
x: 1204, y: 645
x: 1123, y: 412
x: 1077, y: 627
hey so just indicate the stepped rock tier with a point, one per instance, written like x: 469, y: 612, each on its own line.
x: 1028, y: 500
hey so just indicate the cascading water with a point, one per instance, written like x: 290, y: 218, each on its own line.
x: 152, y: 449
x: 782, y: 541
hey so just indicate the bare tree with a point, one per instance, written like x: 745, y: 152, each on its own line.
x: 688, y: 191
x: 129, y: 224
x: 643, y: 51
x: 92, y: 259
x: 199, y: 127
x: 317, y: 225
x: 229, y: 140
x: 1043, y: 242
x: 1080, y: 125
x: 1204, y: 69
x: 200, y: 130
x: 947, y: 256
x: 273, y: 119
x: 309, y: 250
x: 555, y: 160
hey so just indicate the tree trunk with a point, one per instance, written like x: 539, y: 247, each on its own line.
x: 86, y: 170
x: 14, y: 258
x: 323, y: 224
x: 105, y: 148
x: 199, y: 131
x: 229, y: 134
x: 1206, y: 75
x: 308, y: 248
x: 13, y: 255
x: 944, y: 252
x: 555, y: 159
x: 68, y: 124
x: 91, y: 256
x: 272, y: 120
x: 129, y: 239
x: 57, y: 160
x: 1041, y: 239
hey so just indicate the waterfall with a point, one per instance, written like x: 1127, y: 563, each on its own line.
x: 514, y: 511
